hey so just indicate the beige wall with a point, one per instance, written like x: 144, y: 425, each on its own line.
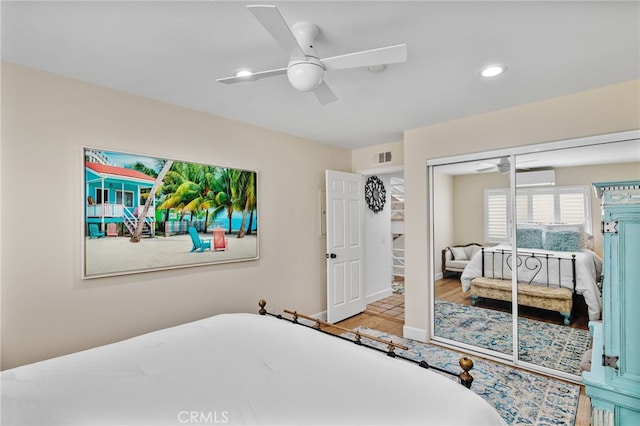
x: 469, y: 205
x: 47, y: 309
x: 458, y: 210
x: 606, y: 110
x: 444, y: 217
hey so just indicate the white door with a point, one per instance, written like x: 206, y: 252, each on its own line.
x: 345, y: 281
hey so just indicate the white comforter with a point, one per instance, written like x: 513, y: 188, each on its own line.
x: 235, y: 369
x: 588, y: 271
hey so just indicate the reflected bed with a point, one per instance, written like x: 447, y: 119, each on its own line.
x: 577, y: 271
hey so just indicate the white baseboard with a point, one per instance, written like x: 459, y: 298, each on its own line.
x: 322, y: 316
x: 415, y: 333
x: 439, y: 276
x: 378, y: 296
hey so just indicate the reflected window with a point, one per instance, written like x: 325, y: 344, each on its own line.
x: 568, y: 204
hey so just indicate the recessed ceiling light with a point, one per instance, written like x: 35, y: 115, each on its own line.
x: 493, y: 70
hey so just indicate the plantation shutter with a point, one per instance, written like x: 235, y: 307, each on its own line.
x: 538, y: 205
x: 496, y: 215
x: 572, y: 208
x: 542, y: 208
x: 522, y: 208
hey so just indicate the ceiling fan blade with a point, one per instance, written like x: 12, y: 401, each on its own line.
x: 271, y: 19
x: 525, y: 161
x: 253, y: 77
x: 484, y: 166
x: 382, y: 55
x: 485, y: 169
x: 324, y: 94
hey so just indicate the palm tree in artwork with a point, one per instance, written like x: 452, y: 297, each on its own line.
x: 172, y: 181
x: 143, y: 168
x: 194, y: 188
x: 143, y: 215
x: 224, y: 199
x: 188, y: 187
x: 244, y: 190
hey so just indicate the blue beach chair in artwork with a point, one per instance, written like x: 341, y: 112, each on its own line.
x: 94, y: 232
x: 198, y: 244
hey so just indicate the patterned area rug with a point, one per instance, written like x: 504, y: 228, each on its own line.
x: 549, y: 345
x: 521, y: 397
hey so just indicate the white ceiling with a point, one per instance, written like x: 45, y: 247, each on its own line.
x: 174, y: 51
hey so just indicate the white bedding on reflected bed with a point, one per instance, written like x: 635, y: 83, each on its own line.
x: 235, y: 369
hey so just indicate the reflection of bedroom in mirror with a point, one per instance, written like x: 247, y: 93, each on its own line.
x: 541, y: 201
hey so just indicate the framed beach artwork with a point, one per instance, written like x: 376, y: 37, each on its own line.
x: 144, y: 213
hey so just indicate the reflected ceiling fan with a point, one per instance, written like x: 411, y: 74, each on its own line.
x: 305, y: 69
x: 503, y: 165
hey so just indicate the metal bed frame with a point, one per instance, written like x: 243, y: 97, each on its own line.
x: 530, y: 261
x: 465, y: 363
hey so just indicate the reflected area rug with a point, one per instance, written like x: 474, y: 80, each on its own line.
x: 397, y: 287
x: 521, y: 397
x: 549, y: 345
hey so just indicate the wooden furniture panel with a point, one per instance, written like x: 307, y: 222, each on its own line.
x: 613, y: 384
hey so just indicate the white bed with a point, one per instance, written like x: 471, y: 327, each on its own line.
x: 235, y: 369
x: 588, y: 270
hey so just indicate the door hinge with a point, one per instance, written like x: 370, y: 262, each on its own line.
x: 610, y: 361
x: 609, y: 227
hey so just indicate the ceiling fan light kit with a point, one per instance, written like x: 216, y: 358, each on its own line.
x: 305, y: 75
x: 377, y: 68
x: 305, y: 70
x: 503, y: 165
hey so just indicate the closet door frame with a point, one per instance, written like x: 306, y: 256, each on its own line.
x: 512, y: 153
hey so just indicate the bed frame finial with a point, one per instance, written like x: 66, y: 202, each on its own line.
x: 465, y: 378
x: 262, y: 303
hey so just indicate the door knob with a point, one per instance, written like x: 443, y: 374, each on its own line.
x: 332, y: 256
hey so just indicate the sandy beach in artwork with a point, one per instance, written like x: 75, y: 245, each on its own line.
x: 116, y: 255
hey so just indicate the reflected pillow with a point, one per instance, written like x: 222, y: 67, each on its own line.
x: 573, y: 227
x: 459, y: 253
x: 529, y: 238
x: 474, y: 250
x: 563, y: 241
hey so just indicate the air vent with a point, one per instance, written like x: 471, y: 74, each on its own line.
x: 381, y: 158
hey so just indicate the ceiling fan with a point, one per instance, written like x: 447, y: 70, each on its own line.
x: 305, y: 69
x: 503, y: 165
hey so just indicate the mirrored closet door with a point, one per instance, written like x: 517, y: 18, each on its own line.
x: 460, y: 231
x: 517, y: 235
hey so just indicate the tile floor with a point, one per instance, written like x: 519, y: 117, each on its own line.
x: 392, y: 306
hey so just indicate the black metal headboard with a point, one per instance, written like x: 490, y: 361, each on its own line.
x: 529, y: 261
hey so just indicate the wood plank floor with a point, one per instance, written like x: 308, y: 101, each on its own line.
x: 387, y: 315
